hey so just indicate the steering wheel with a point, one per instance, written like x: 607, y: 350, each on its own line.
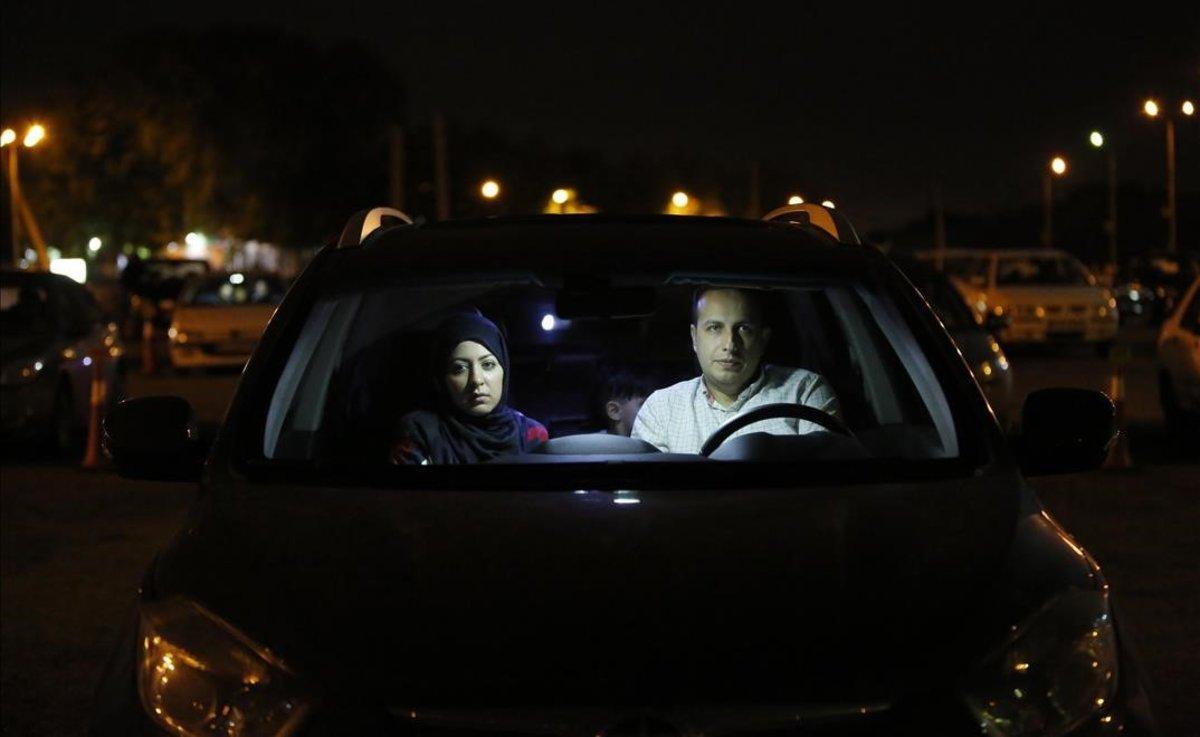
x: 772, y: 411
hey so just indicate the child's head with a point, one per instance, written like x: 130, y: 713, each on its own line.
x: 617, y: 400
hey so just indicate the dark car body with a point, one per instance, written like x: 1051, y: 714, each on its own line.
x: 621, y: 598
x: 49, y: 358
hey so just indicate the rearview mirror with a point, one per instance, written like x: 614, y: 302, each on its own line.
x: 154, y: 438
x: 1065, y: 431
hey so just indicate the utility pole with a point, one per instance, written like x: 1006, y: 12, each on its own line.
x: 755, y: 206
x: 396, y: 166
x: 1047, y: 211
x: 939, y: 228
x: 1111, y: 225
x: 1172, y: 221
x: 440, y: 174
x: 14, y: 197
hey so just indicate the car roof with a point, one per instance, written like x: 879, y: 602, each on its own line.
x: 1002, y: 252
x: 584, y: 244
x: 14, y: 276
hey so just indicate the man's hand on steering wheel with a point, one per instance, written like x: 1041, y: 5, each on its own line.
x: 769, y: 412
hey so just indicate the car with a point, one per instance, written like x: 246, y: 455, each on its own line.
x: 54, y: 340
x: 892, y: 573
x: 1048, y: 295
x: 1179, y: 366
x: 972, y: 334
x: 1150, y: 287
x: 153, y: 286
x: 219, y: 318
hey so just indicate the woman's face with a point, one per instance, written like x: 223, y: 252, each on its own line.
x: 474, y: 379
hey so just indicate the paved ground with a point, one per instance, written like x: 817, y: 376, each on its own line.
x: 74, y: 545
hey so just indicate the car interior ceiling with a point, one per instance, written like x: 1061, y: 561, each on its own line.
x: 383, y: 374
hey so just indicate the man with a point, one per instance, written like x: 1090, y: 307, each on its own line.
x: 616, y: 401
x: 729, y: 337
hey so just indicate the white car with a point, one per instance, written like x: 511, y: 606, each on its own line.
x: 1044, y: 295
x: 220, y: 318
x: 1179, y: 362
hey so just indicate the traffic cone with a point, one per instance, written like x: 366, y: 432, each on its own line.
x: 91, y: 457
x: 1119, y: 458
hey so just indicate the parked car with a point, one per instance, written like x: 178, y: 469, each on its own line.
x: 153, y: 286
x: 218, y: 319
x: 54, y: 335
x: 891, y: 573
x: 1179, y: 365
x: 1048, y: 295
x: 971, y: 333
x: 1151, y: 287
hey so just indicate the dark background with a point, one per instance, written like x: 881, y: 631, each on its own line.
x: 878, y: 109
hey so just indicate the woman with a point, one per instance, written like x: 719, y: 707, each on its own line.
x: 472, y: 424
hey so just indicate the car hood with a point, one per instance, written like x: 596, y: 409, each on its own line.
x: 547, y: 598
x: 250, y: 320
x: 1050, y: 295
x: 17, y: 348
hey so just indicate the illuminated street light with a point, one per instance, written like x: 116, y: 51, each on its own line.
x: 1110, y: 223
x: 1058, y: 165
x: 795, y: 200
x: 1170, y: 211
x: 560, y: 196
x: 34, y: 136
x: 94, y: 245
x: 680, y: 200
x: 490, y: 189
x: 8, y: 136
x: 829, y: 204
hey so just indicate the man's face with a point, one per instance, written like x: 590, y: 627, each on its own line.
x: 729, y: 339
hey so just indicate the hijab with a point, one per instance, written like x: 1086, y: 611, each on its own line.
x: 449, y: 435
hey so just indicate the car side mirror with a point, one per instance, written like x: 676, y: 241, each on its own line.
x: 154, y: 438
x: 1065, y: 431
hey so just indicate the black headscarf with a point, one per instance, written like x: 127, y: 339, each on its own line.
x: 450, y: 435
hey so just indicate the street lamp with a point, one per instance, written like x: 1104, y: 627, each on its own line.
x: 795, y: 200
x: 829, y: 204
x: 490, y: 189
x: 1110, y: 225
x: 1152, y: 110
x: 1058, y: 167
x: 34, y: 135
x: 680, y: 200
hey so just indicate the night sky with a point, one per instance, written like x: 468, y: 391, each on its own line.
x: 868, y: 107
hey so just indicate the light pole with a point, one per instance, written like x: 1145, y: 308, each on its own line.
x: 1152, y: 110
x: 8, y: 141
x: 1110, y: 225
x: 1058, y: 167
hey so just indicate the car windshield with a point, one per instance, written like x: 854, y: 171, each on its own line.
x: 372, y: 377
x: 233, y: 290
x: 24, y: 308
x: 970, y: 269
x: 1042, y: 270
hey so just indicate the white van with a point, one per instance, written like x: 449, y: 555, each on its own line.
x: 1032, y: 296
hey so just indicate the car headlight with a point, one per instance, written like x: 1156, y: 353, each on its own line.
x: 24, y: 373
x: 1056, y: 670
x: 198, y: 676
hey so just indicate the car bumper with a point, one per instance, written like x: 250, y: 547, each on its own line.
x: 1043, y: 331
x: 207, y: 355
